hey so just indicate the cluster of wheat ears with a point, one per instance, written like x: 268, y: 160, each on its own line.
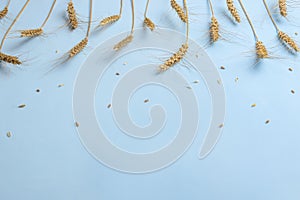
x: 182, y: 13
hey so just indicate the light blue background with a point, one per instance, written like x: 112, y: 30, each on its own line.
x: 44, y: 158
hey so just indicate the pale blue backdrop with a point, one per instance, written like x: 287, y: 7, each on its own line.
x: 44, y: 158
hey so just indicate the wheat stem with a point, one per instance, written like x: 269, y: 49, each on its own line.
x: 13, y: 23
x: 49, y: 13
x: 132, y: 13
x: 249, y: 20
x: 121, y: 8
x: 187, y: 20
x: 146, y: 9
x: 211, y: 7
x: 270, y: 15
x: 90, y: 19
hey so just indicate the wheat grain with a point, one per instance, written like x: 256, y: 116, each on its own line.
x: 78, y: 47
x: 261, y: 50
x: 10, y: 59
x: 232, y: 9
x: 149, y: 23
x: 32, y: 32
x: 3, y: 12
x: 214, y: 29
x: 178, y: 10
x: 282, y: 7
x: 177, y: 57
x: 123, y: 42
x: 109, y: 20
x: 287, y: 40
x: 73, y: 21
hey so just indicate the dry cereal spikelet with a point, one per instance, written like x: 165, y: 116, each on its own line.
x: 149, y: 23
x: 123, y: 42
x: 214, y: 29
x: 32, y: 32
x: 179, y: 11
x: 175, y: 58
x: 10, y: 59
x: 232, y: 9
x: 78, y: 47
x: 261, y: 50
x: 282, y: 7
x: 72, y: 15
x: 3, y: 12
x: 109, y: 20
x: 288, y: 40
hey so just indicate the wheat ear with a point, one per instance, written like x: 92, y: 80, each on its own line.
x: 261, y: 50
x: 214, y: 30
x: 232, y: 9
x: 129, y: 38
x: 3, y: 12
x: 78, y: 47
x: 180, y: 12
x: 32, y: 32
x: 283, y: 37
x: 148, y: 22
x: 179, y: 55
x: 113, y: 18
x: 282, y: 7
x: 73, y: 21
x: 8, y: 58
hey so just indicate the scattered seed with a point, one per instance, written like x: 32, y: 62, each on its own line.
x: 56, y: 51
x: 291, y: 69
x: 37, y: 90
x: 188, y: 87
x: 109, y: 106
x: 196, y: 81
x: 293, y: 91
x: 221, y: 125
x: 267, y: 121
x: 146, y: 100
x: 236, y: 79
x: 222, y: 67
x: 21, y: 106
x: 219, y: 82
x: 296, y: 33
x: 61, y: 85
x: 8, y: 134
x: 125, y: 63
x: 76, y: 124
x: 117, y: 74
x: 253, y: 105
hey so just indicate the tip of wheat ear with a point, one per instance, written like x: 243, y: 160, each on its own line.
x: 261, y: 50
x: 175, y: 58
x: 3, y: 12
x: 282, y: 7
x: 109, y: 20
x: 232, y: 9
x: 10, y: 59
x: 72, y: 15
x: 287, y: 40
x: 123, y: 43
x: 149, y: 23
x: 214, y: 29
x: 32, y: 32
x: 181, y: 14
x: 78, y: 47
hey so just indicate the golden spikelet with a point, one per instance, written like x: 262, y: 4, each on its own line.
x: 232, y: 9
x: 287, y: 40
x: 179, y: 11
x: 78, y: 47
x: 261, y: 50
x: 149, y: 23
x: 3, y: 12
x: 109, y: 20
x: 72, y: 15
x: 10, y: 59
x: 214, y: 29
x: 123, y: 42
x: 282, y: 7
x: 32, y: 32
x: 175, y: 58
